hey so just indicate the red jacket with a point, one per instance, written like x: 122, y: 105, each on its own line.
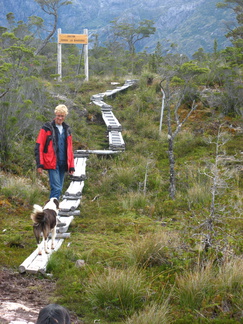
x: 46, y: 147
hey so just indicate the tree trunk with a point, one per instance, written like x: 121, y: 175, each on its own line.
x: 172, y: 188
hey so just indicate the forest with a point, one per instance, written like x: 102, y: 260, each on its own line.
x: 162, y: 241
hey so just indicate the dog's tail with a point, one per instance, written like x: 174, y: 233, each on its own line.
x: 37, y: 209
x: 37, y: 215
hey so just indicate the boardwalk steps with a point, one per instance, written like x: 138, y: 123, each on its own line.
x: 72, y: 197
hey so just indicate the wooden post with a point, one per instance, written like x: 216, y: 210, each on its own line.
x: 86, y: 58
x: 59, y: 56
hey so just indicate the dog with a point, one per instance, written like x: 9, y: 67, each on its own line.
x: 45, y: 221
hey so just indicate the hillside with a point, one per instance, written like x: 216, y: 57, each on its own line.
x: 190, y: 25
x: 136, y: 241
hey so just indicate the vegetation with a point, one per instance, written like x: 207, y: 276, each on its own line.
x: 149, y: 256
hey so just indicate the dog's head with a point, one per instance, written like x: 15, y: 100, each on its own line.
x: 53, y: 204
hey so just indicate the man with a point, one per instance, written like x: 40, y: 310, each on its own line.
x: 54, y: 150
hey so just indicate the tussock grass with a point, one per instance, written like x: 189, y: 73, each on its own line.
x: 134, y: 200
x: 199, y: 194
x: 195, y: 185
x: 212, y: 289
x: 195, y: 287
x: 230, y: 278
x: 151, y: 314
x: 117, y: 293
x: 153, y: 249
x: 21, y: 188
x: 123, y: 179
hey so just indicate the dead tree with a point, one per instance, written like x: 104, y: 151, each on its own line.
x: 50, y: 7
x: 171, y: 139
x: 218, y: 183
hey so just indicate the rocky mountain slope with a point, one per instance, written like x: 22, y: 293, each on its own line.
x: 189, y: 24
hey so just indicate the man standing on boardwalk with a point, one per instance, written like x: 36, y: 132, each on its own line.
x: 54, y: 150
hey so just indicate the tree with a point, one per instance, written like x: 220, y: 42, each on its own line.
x: 156, y: 58
x: 235, y: 31
x: 171, y: 138
x: 131, y: 33
x: 200, y: 55
x: 237, y: 6
x: 50, y: 7
x: 180, y: 89
x: 211, y: 229
x: 20, y: 91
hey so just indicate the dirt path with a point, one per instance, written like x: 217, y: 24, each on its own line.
x: 22, y: 296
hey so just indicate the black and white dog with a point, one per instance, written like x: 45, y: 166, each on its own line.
x: 45, y: 221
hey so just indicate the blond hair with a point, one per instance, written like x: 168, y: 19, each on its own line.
x: 62, y: 109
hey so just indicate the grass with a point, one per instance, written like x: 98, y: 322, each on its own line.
x: 195, y: 287
x: 142, y: 250
x: 116, y: 293
x: 153, y: 249
x: 151, y: 314
x: 212, y: 289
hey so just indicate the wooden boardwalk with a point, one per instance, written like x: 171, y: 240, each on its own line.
x: 69, y: 206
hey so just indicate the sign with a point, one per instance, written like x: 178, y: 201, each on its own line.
x: 72, y: 39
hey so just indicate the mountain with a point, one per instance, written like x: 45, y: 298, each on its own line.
x: 189, y: 24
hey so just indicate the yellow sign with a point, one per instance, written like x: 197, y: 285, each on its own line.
x: 72, y: 39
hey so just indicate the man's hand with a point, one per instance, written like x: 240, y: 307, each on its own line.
x: 39, y: 170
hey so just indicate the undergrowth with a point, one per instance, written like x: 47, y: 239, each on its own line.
x: 143, y: 254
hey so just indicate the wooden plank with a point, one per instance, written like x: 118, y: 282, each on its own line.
x: 75, y: 190
x: 69, y: 213
x: 116, y: 141
x: 61, y: 235
x: 69, y: 205
x: 80, y: 168
x: 128, y: 83
x: 98, y: 103
x: 111, y: 121
x: 37, y: 263
x: 98, y: 152
x: 106, y: 107
x: 97, y: 97
x: 64, y: 220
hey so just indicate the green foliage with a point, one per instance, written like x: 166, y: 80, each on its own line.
x: 132, y: 33
x: 176, y: 81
